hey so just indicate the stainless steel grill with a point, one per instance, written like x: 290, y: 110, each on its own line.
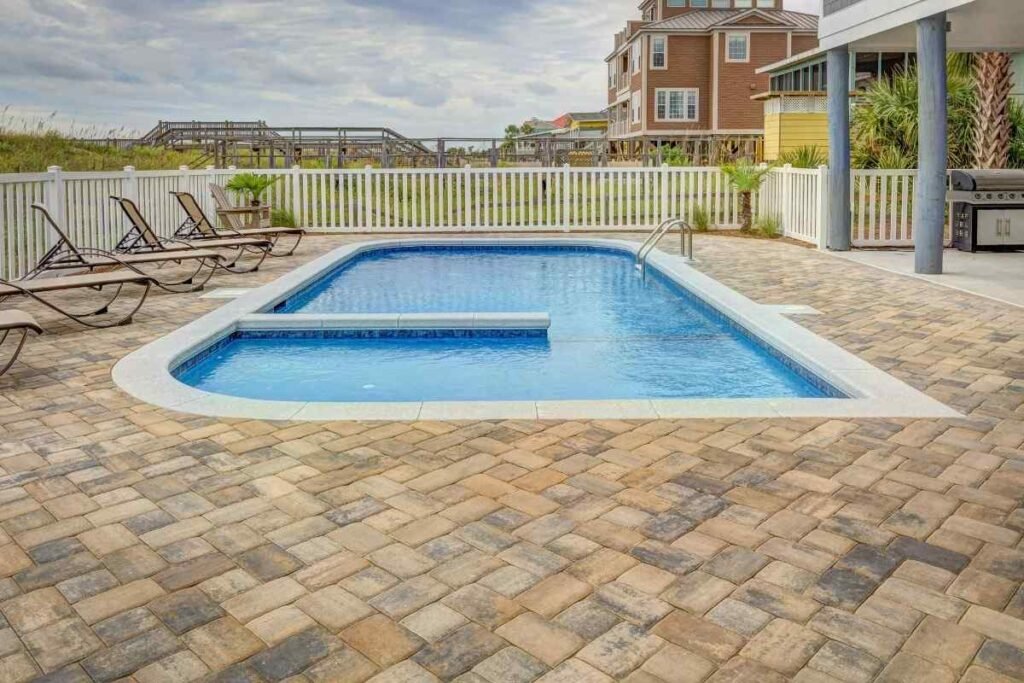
x: 988, y: 209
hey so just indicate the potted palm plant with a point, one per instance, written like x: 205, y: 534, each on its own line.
x: 251, y: 185
x: 747, y: 179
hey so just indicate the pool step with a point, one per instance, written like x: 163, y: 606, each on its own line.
x: 395, y: 321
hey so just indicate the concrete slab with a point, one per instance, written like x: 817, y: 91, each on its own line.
x: 994, y: 275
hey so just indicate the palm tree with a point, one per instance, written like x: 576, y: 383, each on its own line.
x: 993, y: 131
x: 884, y: 122
x: 747, y: 179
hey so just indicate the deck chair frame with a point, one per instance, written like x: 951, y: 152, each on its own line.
x: 141, y: 238
x: 21, y: 323
x: 66, y: 255
x: 231, y: 213
x: 81, y: 282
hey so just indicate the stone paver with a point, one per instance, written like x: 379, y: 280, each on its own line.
x: 161, y: 546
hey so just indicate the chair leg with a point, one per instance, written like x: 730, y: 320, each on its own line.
x: 286, y: 252
x: 81, y: 318
x: 193, y: 283
x: 233, y: 268
x: 17, y: 350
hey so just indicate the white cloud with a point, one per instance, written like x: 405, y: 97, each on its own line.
x: 459, y: 67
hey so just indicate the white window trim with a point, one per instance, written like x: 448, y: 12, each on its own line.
x: 686, y: 91
x: 636, y: 57
x: 659, y: 68
x: 733, y: 34
x: 635, y: 108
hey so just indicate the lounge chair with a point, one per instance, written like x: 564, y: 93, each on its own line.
x: 16, y: 322
x: 36, y: 289
x: 233, y: 216
x: 259, y: 216
x: 66, y: 255
x: 141, y: 239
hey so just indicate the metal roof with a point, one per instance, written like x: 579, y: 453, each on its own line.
x: 587, y: 116
x: 814, y: 54
x: 704, y: 20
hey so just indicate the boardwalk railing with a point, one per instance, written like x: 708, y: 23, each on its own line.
x: 451, y: 200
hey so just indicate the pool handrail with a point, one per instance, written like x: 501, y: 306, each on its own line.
x: 685, y: 242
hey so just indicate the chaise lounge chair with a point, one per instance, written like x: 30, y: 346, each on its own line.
x: 66, y: 255
x: 36, y: 289
x: 141, y: 239
x: 232, y: 215
x: 16, y: 322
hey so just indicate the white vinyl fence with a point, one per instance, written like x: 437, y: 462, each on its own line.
x: 796, y: 197
x: 449, y: 200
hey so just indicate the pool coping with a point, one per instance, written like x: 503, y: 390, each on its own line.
x: 146, y: 373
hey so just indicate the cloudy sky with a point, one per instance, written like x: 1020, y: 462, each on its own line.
x: 422, y: 67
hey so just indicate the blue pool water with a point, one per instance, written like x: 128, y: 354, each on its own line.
x: 612, y: 336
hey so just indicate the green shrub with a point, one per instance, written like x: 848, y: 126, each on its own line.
x: 769, y: 226
x: 674, y: 156
x: 808, y: 156
x: 700, y: 219
x: 283, y: 218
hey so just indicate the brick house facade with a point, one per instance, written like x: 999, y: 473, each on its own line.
x: 689, y: 67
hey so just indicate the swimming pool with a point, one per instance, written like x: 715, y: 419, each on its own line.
x: 563, y: 317
x: 612, y: 335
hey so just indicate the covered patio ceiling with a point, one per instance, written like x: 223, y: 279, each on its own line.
x: 887, y: 26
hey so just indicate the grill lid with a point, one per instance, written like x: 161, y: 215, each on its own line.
x: 988, y: 181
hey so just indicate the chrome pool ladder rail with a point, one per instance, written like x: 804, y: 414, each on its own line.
x: 649, y: 245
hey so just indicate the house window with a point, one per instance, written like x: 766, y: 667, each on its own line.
x: 698, y: 3
x: 766, y: 4
x: 742, y: 4
x: 677, y: 104
x: 635, y: 101
x: 634, y: 52
x: 659, y: 52
x: 721, y: 4
x: 737, y: 47
x: 677, y: 3
x: 611, y: 75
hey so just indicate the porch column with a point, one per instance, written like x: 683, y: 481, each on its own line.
x: 930, y: 194
x: 839, y: 217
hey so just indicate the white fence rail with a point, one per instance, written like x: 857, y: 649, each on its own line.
x: 446, y: 200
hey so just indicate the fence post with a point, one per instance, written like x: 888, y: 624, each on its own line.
x: 131, y: 184
x: 54, y: 198
x: 822, y: 207
x: 298, y: 205
x: 566, y: 200
x: 367, y: 195
x: 663, y: 180
x: 787, y: 205
x: 467, y: 214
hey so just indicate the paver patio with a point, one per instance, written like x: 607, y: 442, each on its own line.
x: 159, y: 546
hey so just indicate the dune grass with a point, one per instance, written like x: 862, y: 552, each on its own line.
x: 31, y: 145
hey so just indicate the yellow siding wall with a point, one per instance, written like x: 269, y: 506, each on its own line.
x: 589, y: 125
x: 784, y: 132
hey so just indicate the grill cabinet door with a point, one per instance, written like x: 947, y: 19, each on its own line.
x: 990, y: 227
x: 1013, y: 233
